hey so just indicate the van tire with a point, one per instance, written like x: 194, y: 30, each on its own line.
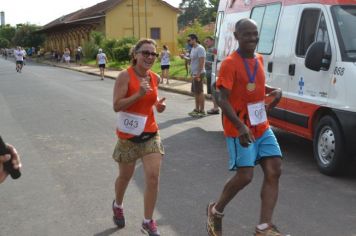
x: 328, y: 146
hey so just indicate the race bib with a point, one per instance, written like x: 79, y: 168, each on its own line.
x: 257, y: 113
x: 130, y: 123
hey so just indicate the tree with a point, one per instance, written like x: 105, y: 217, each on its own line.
x: 26, y: 36
x: 202, y: 10
x: 192, y: 10
x: 195, y: 28
x: 4, y: 43
x: 7, y: 32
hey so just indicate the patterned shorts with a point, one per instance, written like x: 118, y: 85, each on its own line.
x: 127, y: 151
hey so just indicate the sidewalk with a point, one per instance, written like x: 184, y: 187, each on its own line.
x: 176, y: 86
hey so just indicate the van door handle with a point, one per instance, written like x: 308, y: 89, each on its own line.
x: 270, y: 67
x: 291, y: 69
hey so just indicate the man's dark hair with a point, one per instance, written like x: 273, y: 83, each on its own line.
x: 240, y: 23
x: 193, y: 36
x: 210, y: 37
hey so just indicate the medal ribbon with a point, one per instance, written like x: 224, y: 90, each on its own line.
x: 252, y: 77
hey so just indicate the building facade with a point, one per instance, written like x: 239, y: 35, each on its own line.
x: 115, y: 19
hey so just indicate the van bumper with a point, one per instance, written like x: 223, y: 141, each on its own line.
x: 348, y: 125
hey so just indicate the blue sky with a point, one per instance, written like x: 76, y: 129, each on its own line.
x: 41, y: 12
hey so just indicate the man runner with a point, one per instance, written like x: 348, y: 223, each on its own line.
x: 250, y: 140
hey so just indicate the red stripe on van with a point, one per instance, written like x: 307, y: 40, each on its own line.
x: 297, y: 107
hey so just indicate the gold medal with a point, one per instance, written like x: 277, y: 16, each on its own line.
x: 251, y: 87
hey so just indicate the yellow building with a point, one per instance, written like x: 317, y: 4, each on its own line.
x: 154, y: 19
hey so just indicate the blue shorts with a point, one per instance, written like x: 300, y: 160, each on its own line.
x: 264, y: 147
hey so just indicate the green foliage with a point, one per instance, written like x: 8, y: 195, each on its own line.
x: 97, y: 37
x: 108, y: 46
x: 197, y: 10
x: 119, y: 50
x: 127, y: 40
x: 195, y: 28
x: 122, y: 53
x: 7, y: 32
x: 4, y: 43
x: 26, y: 36
x: 90, y: 49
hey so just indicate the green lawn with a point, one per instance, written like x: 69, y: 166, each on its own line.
x: 177, y: 68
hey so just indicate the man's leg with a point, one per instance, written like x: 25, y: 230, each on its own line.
x: 241, y: 179
x: 201, y: 101
x: 269, y: 194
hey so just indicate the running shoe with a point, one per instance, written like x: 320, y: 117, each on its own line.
x: 201, y: 114
x: 214, y: 222
x: 194, y: 113
x: 150, y: 228
x: 118, y: 216
x: 270, y: 231
x: 213, y: 111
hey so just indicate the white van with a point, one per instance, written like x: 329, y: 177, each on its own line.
x: 309, y: 50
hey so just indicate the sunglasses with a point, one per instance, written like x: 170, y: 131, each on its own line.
x: 148, y: 53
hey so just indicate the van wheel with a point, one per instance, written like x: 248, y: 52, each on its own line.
x: 329, y: 147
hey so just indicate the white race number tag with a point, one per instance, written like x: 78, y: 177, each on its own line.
x: 257, y: 113
x: 130, y: 123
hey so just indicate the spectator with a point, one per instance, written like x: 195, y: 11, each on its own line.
x: 210, y: 54
x: 197, y: 71
x: 165, y: 63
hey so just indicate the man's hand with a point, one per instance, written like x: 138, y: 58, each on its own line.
x: 161, y: 105
x: 197, y: 77
x: 246, y: 137
x: 15, y: 159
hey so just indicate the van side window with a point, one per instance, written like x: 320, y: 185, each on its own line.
x: 266, y: 18
x: 307, y: 30
x: 323, y: 36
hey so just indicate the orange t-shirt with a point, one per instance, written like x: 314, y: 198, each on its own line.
x: 143, y: 106
x: 233, y: 76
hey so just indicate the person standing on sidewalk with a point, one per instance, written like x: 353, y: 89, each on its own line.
x: 135, y: 96
x: 197, y: 70
x: 210, y: 54
x: 101, y: 60
x: 165, y: 63
x: 250, y: 140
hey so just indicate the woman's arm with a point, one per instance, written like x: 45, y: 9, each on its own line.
x: 120, y: 89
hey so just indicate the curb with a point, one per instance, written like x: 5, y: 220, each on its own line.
x: 165, y: 88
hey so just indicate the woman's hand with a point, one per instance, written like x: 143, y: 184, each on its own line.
x: 144, y: 87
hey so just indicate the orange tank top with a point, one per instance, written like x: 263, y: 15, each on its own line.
x: 143, y: 106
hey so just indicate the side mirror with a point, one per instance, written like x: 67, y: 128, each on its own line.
x: 314, y: 56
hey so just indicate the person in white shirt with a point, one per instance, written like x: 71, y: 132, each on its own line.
x: 101, y: 60
x: 165, y: 63
x: 19, y: 56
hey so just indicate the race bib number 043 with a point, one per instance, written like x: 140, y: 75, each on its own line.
x: 257, y: 113
x: 131, y: 123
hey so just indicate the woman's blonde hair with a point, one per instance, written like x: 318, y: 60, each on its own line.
x: 138, y: 46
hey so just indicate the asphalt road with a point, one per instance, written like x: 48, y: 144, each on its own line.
x: 62, y: 124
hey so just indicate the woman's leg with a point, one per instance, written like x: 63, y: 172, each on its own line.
x: 151, y: 166
x: 126, y: 171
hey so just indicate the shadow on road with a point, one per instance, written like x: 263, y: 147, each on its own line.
x: 107, y: 232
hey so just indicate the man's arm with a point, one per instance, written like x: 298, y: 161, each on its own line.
x: 276, y: 93
x: 245, y: 135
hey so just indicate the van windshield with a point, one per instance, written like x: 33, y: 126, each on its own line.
x: 345, y: 22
